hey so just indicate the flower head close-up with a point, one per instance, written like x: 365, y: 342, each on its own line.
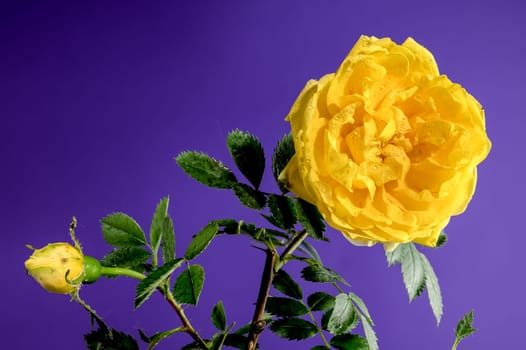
x: 387, y: 148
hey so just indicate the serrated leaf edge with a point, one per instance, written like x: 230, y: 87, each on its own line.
x: 148, y: 285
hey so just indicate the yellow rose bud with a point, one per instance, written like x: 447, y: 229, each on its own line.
x: 386, y: 147
x: 50, y: 265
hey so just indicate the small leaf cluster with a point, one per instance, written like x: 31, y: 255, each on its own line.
x: 131, y: 249
x: 104, y: 338
x: 338, y: 315
x: 418, y: 274
x: 249, y: 157
x: 187, y: 287
x: 464, y: 329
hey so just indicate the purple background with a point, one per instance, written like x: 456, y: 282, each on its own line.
x: 96, y: 99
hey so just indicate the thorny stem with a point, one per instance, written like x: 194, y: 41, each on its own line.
x: 258, y: 323
x: 188, y: 328
x: 272, y: 265
x: 75, y: 296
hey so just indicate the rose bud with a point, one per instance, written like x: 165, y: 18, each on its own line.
x: 57, y: 267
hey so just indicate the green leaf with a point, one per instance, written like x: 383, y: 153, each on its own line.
x: 189, y: 285
x: 244, y: 329
x: 159, y: 336
x: 217, y: 341
x: 121, y: 230
x: 307, y: 249
x: 286, y: 285
x: 218, y: 316
x: 395, y: 256
x: 320, y: 301
x: 249, y: 197
x: 161, y: 211
x: 283, y: 211
x: 157, y: 224
x: 128, y: 257
x: 192, y: 346
x: 369, y: 333
x: 464, y: 328
x: 293, y: 328
x: 281, y: 157
x: 168, y: 239
x: 285, y: 307
x: 316, y: 273
x: 442, y: 240
x: 236, y: 341
x: 418, y: 274
x: 148, y: 285
x: 278, y: 236
x: 143, y: 336
x: 201, y: 241
x: 271, y: 219
x: 361, y: 306
x: 349, y: 342
x: 343, y: 315
x: 310, y: 218
x: 433, y: 289
x: 229, y: 226
x: 248, y: 154
x: 325, y: 319
x: 107, y: 339
x: 205, y: 169
x: 219, y: 338
x: 412, y: 268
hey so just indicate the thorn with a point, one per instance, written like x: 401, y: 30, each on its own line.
x: 259, y: 248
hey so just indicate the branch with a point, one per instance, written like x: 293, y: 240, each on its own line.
x: 188, y: 328
x: 165, y: 291
x: 271, y: 267
x: 258, y: 323
x: 291, y: 247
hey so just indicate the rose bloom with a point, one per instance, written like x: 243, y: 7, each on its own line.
x: 49, y: 266
x: 386, y: 147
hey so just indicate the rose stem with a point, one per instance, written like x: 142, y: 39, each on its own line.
x: 258, y: 324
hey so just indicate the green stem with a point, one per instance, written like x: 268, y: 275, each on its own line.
x: 320, y: 331
x: 121, y: 271
x: 75, y: 296
x: 188, y: 328
x: 337, y: 287
x: 291, y: 247
x: 186, y: 322
x: 455, y: 344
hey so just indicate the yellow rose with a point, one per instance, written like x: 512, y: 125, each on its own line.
x: 386, y: 147
x: 49, y: 266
